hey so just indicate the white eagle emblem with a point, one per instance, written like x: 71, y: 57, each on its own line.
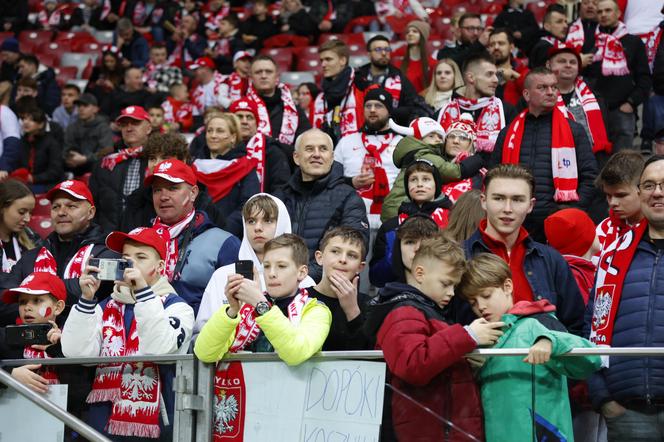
x: 163, y: 167
x: 226, y: 410
x: 602, y: 310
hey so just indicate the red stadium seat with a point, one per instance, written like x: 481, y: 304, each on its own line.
x: 86, y: 47
x: 29, y: 40
x: 363, y: 21
x: 50, y: 60
x: 282, y: 56
x: 66, y: 73
x: 308, y: 62
x: 41, y: 225
x: 42, y: 206
x: 327, y: 37
x: 285, y: 40
x: 79, y: 37
x: 55, y: 48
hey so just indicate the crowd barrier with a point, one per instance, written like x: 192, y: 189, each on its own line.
x: 335, y: 396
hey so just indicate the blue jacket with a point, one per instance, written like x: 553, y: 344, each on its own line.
x: 549, y: 277
x: 639, y: 322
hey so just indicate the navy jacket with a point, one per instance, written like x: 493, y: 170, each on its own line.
x: 639, y: 322
x: 549, y: 277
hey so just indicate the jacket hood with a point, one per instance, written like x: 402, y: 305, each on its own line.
x: 581, y: 263
x: 527, y: 308
x: 406, y: 148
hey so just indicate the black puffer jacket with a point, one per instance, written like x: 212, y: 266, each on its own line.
x: 535, y: 155
x: 317, y: 206
x: 42, y: 156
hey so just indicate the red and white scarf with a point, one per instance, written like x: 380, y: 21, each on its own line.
x: 553, y: 41
x: 611, y: 52
x: 133, y: 388
x: 652, y: 40
x: 46, y: 372
x: 7, y: 263
x: 611, y: 228
x: 256, y: 150
x: 172, y: 250
x: 289, y: 121
x: 220, y: 176
x: 198, y: 96
x: 440, y: 216
x: 373, y: 161
x: 45, y: 262
x: 563, y: 153
x: 455, y: 189
x: 110, y: 161
x: 180, y: 112
x: 139, y: 15
x: 47, y: 21
x: 575, y: 35
x: 393, y: 86
x: 348, y: 116
x: 489, y: 123
x: 237, y: 86
x: 591, y: 109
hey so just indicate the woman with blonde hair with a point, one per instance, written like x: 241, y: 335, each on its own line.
x: 446, y: 78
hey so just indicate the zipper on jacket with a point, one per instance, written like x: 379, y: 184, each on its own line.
x: 651, y: 301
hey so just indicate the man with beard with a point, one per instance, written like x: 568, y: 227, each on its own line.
x: 470, y: 39
x: 511, y: 73
x: 366, y: 156
x: 554, y: 33
x: 406, y: 103
x: 489, y: 112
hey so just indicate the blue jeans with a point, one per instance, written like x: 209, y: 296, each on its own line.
x: 636, y: 426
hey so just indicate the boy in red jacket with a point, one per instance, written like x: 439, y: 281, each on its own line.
x: 424, y: 353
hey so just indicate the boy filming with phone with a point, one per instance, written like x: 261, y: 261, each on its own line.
x: 143, y: 316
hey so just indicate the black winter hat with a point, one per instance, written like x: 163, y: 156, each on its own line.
x: 377, y: 93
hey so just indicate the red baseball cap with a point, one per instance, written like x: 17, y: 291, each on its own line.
x: 172, y: 170
x: 135, y: 113
x: 38, y: 283
x: 244, y: 105
x: 203, y: 62
x: 78, y: 189
x: 155, y: 238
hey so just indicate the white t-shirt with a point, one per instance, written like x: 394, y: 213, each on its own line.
x: 9, y: 126
x: 642, y: 16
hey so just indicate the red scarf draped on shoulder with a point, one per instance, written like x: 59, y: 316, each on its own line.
x: 219, y: 176
x: 349, y: 116
x: 489, y: 123
x: 290, y: 118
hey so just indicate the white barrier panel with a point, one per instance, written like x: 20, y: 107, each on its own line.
x: 21, y: 420
x: 316, y: 401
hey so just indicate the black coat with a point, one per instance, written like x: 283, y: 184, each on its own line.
x: 123, y: 98
x: 658, y: 70
x: 46, y: 153
x: 315, y: 207
x: 539, y: 53
x: 522, y: 20
x: 459, y: 51
x: 275, y: 108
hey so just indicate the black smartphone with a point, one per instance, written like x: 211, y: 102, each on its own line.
x: 245, y: 268
x: 30, y: 334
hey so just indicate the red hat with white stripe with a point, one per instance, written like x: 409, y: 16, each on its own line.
x: 464, y: 124
x: 155, y: 238
x: 242, y: 54
x: 135, y: 113
x: 172, y: 170
x: 78, y: 189
x: 244, y: 105
x: 38, y: 283
x: 419, y: 128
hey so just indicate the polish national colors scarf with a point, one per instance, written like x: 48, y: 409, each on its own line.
x: 172, y: 251
x: 455, y: 189
x: 349, y: 116
x: 198, y: 96
x: 491, y: 119
x: 237, y: 86
x: 393, y: 86
x: 289, y: 121
x: 47, y: 21
x: 110, y: 161
x: 600, y: 140
x: 45, y: 262
x: 563, y: 153
x: 611, y: 272
x: 652, y: 40
x: 611, y: 228
x: 575, y: 35
x: 46, y: 372
x: 611, y: 52
x: 180, y: 112
x: 440, y: 216
x: 133, y: 388
x: 256, y: 150
x: 7, y: 263
x: 220, y: 176
x: 373, y: 161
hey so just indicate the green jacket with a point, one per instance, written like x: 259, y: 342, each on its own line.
x: 408, y: 150
x: 507, y: 387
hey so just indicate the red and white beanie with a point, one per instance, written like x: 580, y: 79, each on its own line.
x: 464, y: 124
x: 419, y: 128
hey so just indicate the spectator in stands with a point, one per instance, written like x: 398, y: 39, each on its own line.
x: 117, y: 175
x: 556, y: 149
x: 178, y: 110
x: 296, y: 20
x: 142, y: 315
x: 131, y: 93
x: 90, y: 16
x: 48, y: 91
x: 490, y: 113
x: 88, y: 139
x: 581, y: 33
x: 188, y: 45
x: 622, y: 313
x: 236, y: 85
x: 424, y: 352
x: 272, y: 157
x: 466, y: 216
x: 539, y: 272
x: 416, y: 64
x: 10, y: 136
x: 229, y: 43
x: 331, y: 16
x: 653, y: 108
x: 619, y: 181
x: 405, y: 102
x: 553, y: 34
x: 153, y: 17
x: 159, y: 75
x: 209, y: 90
x: 40, y: 164
x: 460, y: 145
x: 75, y: 238
x: 511, y: 72
x: 67, y: 112
x: 338, y: 108
x: 9, y: 55
x: 157, y: 120
x: 226, y: 170
x: 521, y: 22
x: 399, y: 10
x: 196, y: 248
x: 366, y: 156
x: 50, y: 18
x: 14, y: 16
x: 278, y: 115
x: 132, y: 45
x: 619, y: 73
x: 470, y: 38
x: 25, y: 87
x: 107, y: 77
x: 317, y: 197
x: 446, y: 79
x: 260, y: 25
x: 306, y: 94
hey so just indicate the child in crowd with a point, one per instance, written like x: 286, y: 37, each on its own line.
x: 158, y: 119
x: 424, y: 140
x: 66, y: 113
x: 341, y: 255
x: 264, y: 217
x: 572, y: 233
x: 178, y: 110
x: 284, y: 319
x: 143, y: 316
x: 424, y: 353
x: 519, y: 399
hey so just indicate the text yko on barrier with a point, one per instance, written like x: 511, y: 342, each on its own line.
x: 315, y: 401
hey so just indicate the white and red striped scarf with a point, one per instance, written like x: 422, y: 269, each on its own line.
x: 491, y: 119
x: 563, y: 153
x: 105, y: 9
x: 172, y: 250
x: 133, y: 388
x: 237, y: 86
x: 380, y: 188
x: 256, y: 149
x: 220, y: 176
x: 176, y: 111
x: 651, y: 40
x: 198, y: 95
x: 348, y: 116
x: 289, y: 121
x: 139, y: 16
x: 393, y: 86
x: 575, y: 35
x: 455, y: 189
x: 600, y: 139
x: 46, y: 21
x: 46, y: 372
x: 7, y: 263
x: 440, y: 216
x: 45, y: 262
x: 110, y: 161
x: 611, y: 52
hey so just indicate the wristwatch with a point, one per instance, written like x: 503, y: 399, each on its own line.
x: 262, y: 308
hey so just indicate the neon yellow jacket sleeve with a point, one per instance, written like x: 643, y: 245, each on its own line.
x: 216, y: 337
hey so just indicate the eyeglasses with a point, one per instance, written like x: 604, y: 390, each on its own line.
x: 461, y: 136
x: 382, y: 50
x: 472, y: 28
x: 650, y: 186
